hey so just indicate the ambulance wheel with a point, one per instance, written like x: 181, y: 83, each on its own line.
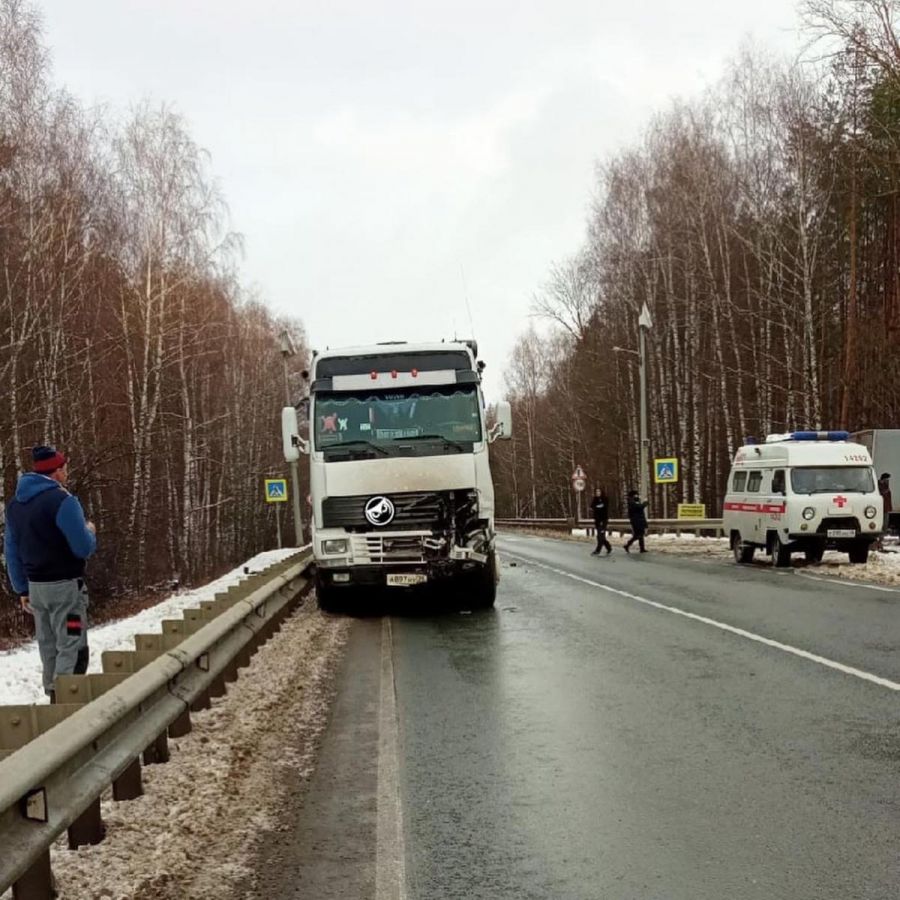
x: 781, y: 555
x: 859, y: 552
x: 815, y: 554
x: 743, y: 553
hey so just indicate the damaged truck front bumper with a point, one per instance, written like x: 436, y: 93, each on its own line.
x: 378, y: 559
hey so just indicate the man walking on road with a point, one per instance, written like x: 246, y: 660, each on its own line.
x: 46, y: 545
x: 884, y: 488
x: 637, y: 516
x: 600, y: 509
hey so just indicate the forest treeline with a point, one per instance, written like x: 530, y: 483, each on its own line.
x: 126, y: 338
x: 761, y: 226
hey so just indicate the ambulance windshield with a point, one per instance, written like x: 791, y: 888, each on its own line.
x: 828, y: 479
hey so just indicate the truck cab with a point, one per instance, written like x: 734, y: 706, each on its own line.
x: 806, y: 492
x: 400, y: 479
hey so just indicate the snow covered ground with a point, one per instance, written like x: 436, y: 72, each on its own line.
x: 20, y: 668
x: 195, y: 831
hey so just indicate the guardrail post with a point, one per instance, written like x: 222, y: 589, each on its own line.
x: 243, y: 657
x: 88, y: 828
x: 217, y: 686
x: 158, y: 751
x: 230, y: 672
x: 201, y: 701
x: 37, y: 883
x: 182, y: 725
x: 128, y: 785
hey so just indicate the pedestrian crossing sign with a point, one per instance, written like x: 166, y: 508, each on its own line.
x: 276, y: 490
x: 665, y: 471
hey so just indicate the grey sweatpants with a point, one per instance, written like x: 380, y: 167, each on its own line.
x: 60, y: 616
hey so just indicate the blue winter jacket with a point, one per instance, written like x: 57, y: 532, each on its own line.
x: 47, y: 538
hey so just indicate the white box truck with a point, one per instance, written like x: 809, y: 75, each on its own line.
x: 401, y: 487
x: 884, y: 445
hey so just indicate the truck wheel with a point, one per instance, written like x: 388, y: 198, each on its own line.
x: 326, y: 596
x: 743, y: 553
x: 484, y: 590
x: 859, y: 552
x: 781, y: 555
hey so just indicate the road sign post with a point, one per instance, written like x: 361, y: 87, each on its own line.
x: 579, y: 482
x: 276, y: 492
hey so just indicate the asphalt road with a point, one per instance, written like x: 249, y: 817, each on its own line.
x: 625, y: 727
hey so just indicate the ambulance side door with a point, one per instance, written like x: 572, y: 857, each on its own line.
x: 754, y: 506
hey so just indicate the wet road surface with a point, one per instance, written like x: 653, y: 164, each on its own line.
x: 632, y: 727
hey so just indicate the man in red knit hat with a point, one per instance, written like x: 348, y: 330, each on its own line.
x: 46, y: 545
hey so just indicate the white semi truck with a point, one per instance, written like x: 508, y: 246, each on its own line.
x: 401, y: 487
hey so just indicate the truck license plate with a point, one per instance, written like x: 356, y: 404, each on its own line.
x: 841, y: 533
x: 406, y: 579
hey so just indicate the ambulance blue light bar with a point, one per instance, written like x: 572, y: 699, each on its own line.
x: 820, y: 435
x: 808, y: 436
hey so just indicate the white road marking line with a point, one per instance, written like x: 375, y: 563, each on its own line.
x: 833, y: 579
x: 390, y: 853
x: 749, y: 635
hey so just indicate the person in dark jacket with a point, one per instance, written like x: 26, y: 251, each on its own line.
x: 46, y: 545
x: 600, y: 511
x: 884, y: 488
x: 637, y: 516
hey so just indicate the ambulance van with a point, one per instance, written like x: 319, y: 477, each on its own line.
x: 803, y: 492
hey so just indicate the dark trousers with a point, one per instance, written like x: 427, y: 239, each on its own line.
x: 602, y: 542
x: 637, y: 534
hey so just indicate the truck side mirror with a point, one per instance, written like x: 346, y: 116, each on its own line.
x: 291, y: 442
x: 503, y: 426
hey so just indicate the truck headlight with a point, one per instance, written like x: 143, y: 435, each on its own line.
x: 871, y: 512
x: 334, y: 546
x: 809, y: 512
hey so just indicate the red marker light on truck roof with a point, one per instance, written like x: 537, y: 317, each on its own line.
x: 414, y: 373
x: 394, y: 373
x: 374, y: 376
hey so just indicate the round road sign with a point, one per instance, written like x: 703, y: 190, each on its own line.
x: 578, y: 484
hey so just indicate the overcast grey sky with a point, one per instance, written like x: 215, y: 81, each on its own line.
x: 384, y: 158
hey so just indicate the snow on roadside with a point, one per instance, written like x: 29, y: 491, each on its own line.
x: 195, y: 830
x: 20, y: 668
x: 882, y: 568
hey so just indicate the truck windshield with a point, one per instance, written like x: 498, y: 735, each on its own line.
x: 418, y: 417
x: 828, y: 479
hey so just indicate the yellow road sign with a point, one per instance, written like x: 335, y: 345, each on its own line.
x: 691, y: 510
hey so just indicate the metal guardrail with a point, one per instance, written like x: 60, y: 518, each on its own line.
x: 53, y: 782
x: 671, y: 526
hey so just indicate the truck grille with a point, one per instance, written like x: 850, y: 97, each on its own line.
x: 412, y: 511
x: 377, y: 549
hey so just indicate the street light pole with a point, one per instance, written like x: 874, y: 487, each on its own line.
x: 643, y: 461
x: 287, y: 349
x: 645, y: 323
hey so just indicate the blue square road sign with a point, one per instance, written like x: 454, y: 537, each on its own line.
x: 276, y: 490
